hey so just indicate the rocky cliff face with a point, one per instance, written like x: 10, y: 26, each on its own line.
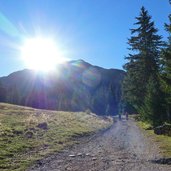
x: 73, y: 86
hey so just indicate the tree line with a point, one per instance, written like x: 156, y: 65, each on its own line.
x: 146, y: 88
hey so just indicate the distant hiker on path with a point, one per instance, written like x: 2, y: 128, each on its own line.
x: 119, y: 116
x: 126, y: 114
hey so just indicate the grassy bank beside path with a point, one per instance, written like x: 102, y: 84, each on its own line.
x: 162, y: 141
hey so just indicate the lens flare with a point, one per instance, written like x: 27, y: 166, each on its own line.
x: 7, y: 26
x: 91, y: 77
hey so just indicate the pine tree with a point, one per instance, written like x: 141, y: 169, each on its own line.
x: 166, y: 72
x: 143, y: 62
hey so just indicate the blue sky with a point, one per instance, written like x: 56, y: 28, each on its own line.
x: 93, y: 30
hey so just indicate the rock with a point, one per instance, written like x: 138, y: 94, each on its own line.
x: 158, y: 130
x: 87, y: 154
x: 28, y: 134
x: 43, y: 125
x: 164, y: 129
x: 134, y: 155
x: 39, y: 162
x: 94, y: 158
x: 32, y: 129
x: 79, y: 154
x: 17, y: 132
x: 71, y: 155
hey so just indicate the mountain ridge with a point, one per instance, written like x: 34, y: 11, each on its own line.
x: 74, y: 86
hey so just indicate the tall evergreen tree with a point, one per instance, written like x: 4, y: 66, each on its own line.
x: 166, y: 72
x: 143, y: 62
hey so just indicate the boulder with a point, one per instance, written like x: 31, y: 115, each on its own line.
x: 43, y: 125
x: 158, y: 130
x: 164, y: 129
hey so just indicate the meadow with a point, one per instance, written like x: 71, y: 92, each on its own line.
x: 28, y: 135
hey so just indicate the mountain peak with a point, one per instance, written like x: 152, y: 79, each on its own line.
x: 80, y: 63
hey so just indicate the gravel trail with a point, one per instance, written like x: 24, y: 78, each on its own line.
x: 120, y: 148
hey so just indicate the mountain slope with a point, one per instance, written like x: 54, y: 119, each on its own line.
x: 73, y: 86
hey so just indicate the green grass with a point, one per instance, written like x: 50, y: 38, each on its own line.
x: 18, y: 152
x: 162, y: 141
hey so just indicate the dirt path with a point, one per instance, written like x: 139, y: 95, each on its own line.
x: 121, y: 148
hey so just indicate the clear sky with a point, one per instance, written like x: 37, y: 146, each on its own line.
x: 93, y: 30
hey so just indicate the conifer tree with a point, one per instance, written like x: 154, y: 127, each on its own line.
x: 153, y: 108
x: 143, y: 61
x: 166, y: 72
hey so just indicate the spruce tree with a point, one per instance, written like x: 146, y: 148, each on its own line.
x: 166, y: 72
x: 143, y: 61
x: 152, y: 109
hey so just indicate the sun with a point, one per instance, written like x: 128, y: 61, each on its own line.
x: 41, y: 53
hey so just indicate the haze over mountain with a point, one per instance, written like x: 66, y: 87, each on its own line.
x: 73, y: 86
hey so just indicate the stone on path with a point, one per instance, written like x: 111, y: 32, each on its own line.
x: 71, y: 155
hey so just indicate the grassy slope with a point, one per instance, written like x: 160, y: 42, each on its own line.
x: 17, y: 151
x: 162, y: 141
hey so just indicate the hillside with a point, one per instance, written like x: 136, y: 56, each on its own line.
x: 73, y: 86
x: 28, y: 134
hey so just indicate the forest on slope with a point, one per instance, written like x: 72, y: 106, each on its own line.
x: 73, y: 86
